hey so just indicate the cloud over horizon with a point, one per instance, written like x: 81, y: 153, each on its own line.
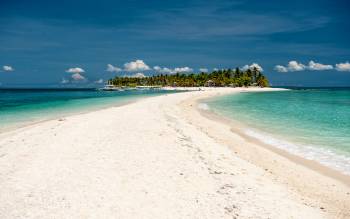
x: 8, y: 68
x: 138, y: 75
x: 252, y: 66
x: 138, y: 65
x: 165, y: 70
x: 77, y: 74
x: 281, y: 68
x: 75, y: 70
x: 78, y: 77
x: 343, y: 66
x: 313, y: 66
x: 183, y: 70
x: 296, y: 66
x: 112, y: 68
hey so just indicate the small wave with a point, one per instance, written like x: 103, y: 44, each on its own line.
x: 203, y: 106
x: 322, y: 155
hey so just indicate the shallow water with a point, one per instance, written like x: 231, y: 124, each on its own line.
x: 313, y: 123
x: 19, y: 107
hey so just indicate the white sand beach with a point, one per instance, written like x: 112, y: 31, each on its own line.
x: 158, y: 157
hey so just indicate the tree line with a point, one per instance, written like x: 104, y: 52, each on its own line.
x: 218, y: 78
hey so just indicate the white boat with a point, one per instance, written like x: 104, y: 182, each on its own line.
x: 148, y: 87
x: 111, y: 87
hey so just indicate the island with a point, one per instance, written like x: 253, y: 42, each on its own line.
x: 217, y: 78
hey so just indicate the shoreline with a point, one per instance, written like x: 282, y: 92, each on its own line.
x: 58, y: 116
x: 332, y: 183
x: 154, y: 158
x: 83, y: 110
x: 312, y: 164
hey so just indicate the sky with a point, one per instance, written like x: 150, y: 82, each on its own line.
x: 84, y: 43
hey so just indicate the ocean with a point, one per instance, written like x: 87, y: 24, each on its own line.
x: 19, y: 107
x: 312, y: 122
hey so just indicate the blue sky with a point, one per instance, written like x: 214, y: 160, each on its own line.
x: 66, y: 43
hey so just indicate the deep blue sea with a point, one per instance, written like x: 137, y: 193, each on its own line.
x: 20, y: 107
x: 313, y: 123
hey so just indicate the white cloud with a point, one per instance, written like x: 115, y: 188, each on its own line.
x: 203, y: 70
x: 292, y: 66
x: 252, y: 66
x: 112, y: 68
x: 281, y: 68
x: 64, y: 81
x: 78, y: 77
x: 76, y: 74
x: 99, y: 81
x: 75, y: 70
x: 245, y: 67
x: 343, y: 66
x: 138, y: 75
x: 137, y: 65
x: 157, y: 68
x: 172, y: 71
x: 183, y: 70
x: 163, y: 70
x: 215, y: 69
x: 7, y: 68
x: 318, y: 66
x: 295, y: 66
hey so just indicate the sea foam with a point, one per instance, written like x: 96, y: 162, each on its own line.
x: 311, y: 152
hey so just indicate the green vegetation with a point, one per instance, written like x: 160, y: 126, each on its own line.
x: 220, y: 78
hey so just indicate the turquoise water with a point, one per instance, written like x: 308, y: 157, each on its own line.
x: 313, y: 123
x: 19, y: 107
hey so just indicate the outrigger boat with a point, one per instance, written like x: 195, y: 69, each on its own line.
x: 111, y: 87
